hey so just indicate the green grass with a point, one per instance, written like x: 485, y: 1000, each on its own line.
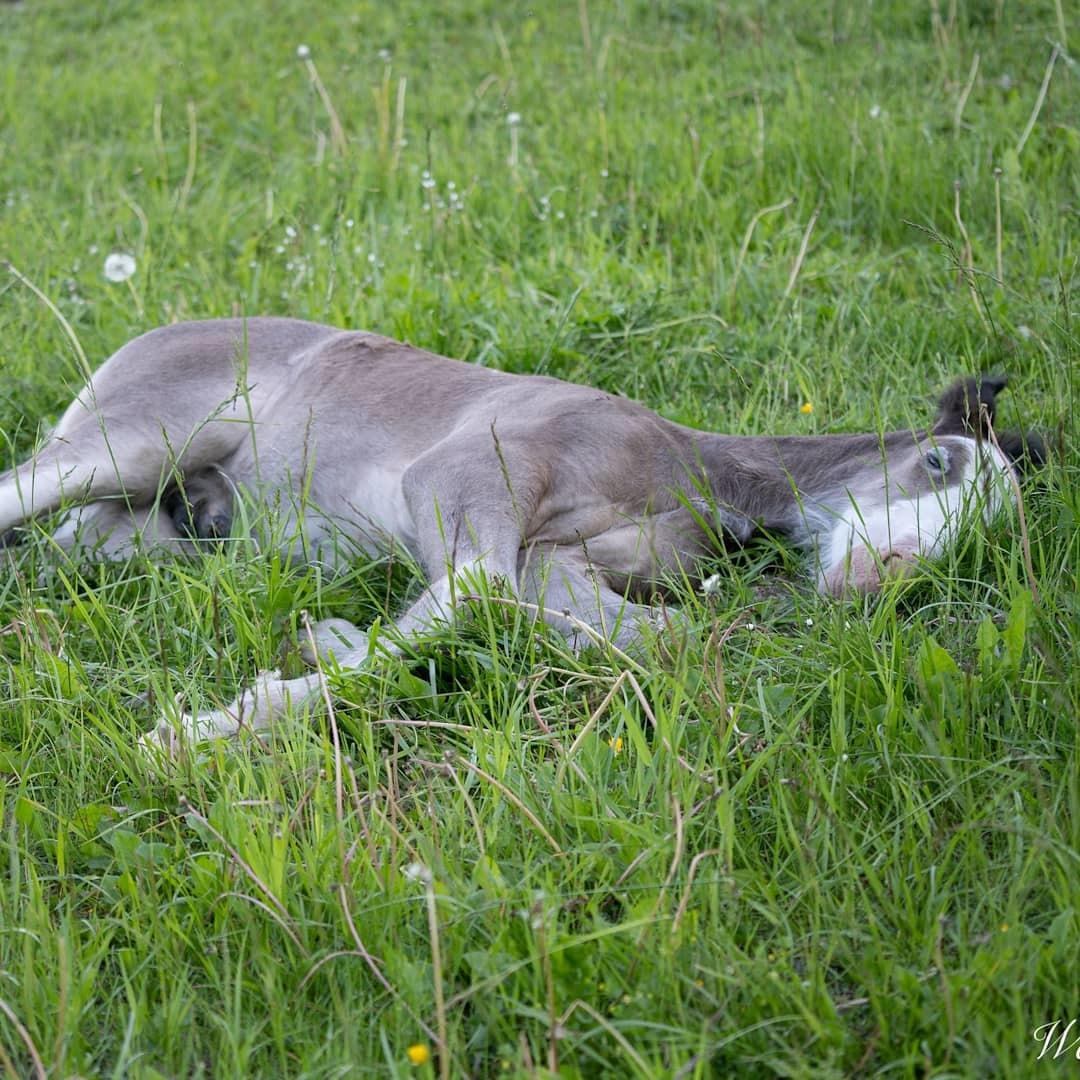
x: 836, y: 839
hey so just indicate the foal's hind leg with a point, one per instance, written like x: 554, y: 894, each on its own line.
x: 54, y: 473
x: 83, y: 461
x: 110, y: 530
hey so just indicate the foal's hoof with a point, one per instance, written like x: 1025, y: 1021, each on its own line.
x: 177, y: 733
x: 163, y: 744
x: 331, y: 639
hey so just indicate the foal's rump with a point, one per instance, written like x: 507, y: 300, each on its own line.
x: 179, y: 397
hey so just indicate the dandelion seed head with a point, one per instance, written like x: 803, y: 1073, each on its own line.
x: 119, y: 266
x: 875, y: 112
x: 513, y: 118
x: 303, y: 52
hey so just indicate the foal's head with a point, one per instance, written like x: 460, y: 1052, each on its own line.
x: 923, y: 491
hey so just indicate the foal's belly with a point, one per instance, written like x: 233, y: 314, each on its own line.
x: 372, y: 510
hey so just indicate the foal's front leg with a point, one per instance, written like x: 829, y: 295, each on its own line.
x: 254, y: 709
x: 270, y: 696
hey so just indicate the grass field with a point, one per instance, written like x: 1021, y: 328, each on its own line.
x: 814, y: 839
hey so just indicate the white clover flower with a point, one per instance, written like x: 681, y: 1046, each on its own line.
x: 710, y: 585
x: 303, y: 52
x: 513, y: 119
x: 119, y: 266
x: 416, y: 871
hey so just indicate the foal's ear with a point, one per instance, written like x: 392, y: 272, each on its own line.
x: 1026, y: 450
x: 968, y: 404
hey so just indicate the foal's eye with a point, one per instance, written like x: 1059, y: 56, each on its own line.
x: 937, y: 460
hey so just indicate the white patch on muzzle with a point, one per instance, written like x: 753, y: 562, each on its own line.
x: 872, y: 541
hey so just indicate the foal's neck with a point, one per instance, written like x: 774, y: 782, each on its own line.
x: 788, y: 483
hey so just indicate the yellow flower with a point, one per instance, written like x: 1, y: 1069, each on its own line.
x: 806, y: 408
x: 616, y: 745
x: 419, y: 1054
